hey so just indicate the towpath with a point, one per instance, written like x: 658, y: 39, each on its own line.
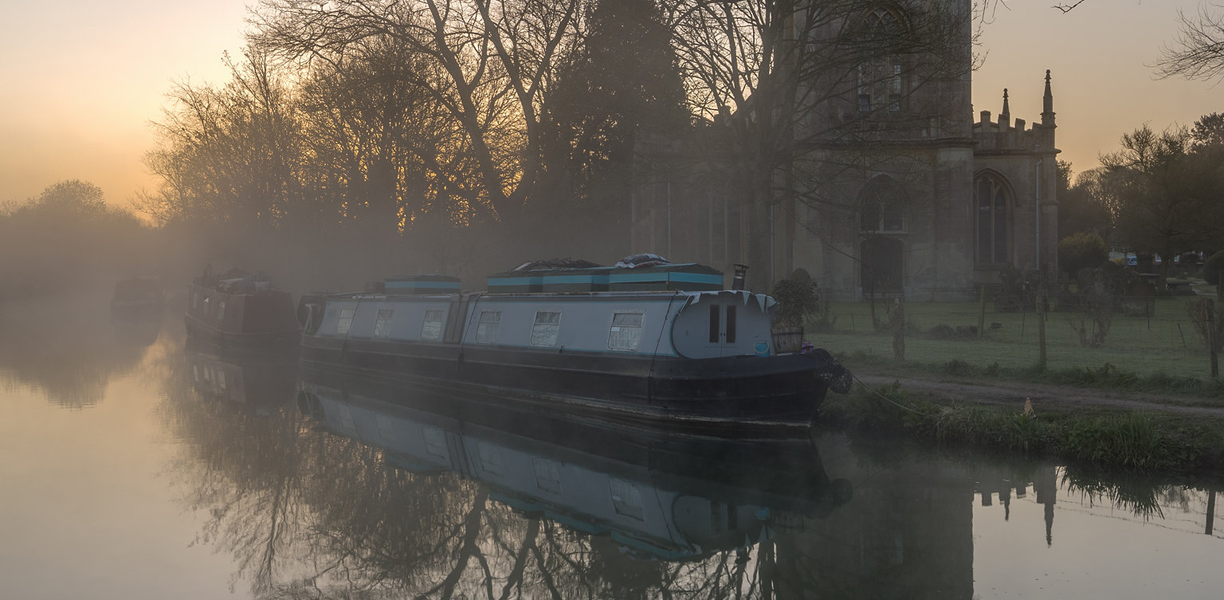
x: 1050, y: 396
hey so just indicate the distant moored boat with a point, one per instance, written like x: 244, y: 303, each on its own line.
x: 239, y: 309
x: 138, y: 296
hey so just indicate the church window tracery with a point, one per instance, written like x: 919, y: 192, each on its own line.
x: 880, y: 75
x: 992, y: 224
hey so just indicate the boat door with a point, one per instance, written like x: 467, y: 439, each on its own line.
x: 723, y: 329
x: 456, y: 318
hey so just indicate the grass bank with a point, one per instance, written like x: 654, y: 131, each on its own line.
x: 1165, y: 342
x: 1130, y: 441
x: 1103, y: 376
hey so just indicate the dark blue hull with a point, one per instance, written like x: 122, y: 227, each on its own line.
x: 744, y: 392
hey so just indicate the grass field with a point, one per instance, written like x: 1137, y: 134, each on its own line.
x: 1166, y: 343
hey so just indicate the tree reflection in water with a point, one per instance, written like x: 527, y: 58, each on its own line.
x: 337, y: 494
x: 70, y: 349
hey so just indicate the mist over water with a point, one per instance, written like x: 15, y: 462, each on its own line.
x: 139, y: 465
x: 357, y: 140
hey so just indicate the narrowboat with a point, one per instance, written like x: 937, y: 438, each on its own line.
x: 240, y: 309
x: 651, y: 342
x: 656, y: 495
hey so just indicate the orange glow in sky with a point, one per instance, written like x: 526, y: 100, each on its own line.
x: 81, y: 81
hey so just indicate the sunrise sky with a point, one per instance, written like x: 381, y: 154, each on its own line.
x: 80, y: 81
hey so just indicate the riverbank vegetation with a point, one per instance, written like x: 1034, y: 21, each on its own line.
x: 1131, y: 441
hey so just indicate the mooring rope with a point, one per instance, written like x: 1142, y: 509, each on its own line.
x: 886, y: 398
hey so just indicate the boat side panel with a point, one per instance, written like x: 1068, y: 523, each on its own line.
x: 406, y: 320
x: 586, y: 321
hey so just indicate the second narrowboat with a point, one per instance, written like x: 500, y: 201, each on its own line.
x: 240, y: 309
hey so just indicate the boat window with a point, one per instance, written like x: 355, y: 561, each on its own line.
x: 486, y: 331
x: 195, y: 370
x: 382, y: 325
x: 431, y: 329
x: 207, y: 306
x: 221, y: 378
x: 626, y: 332
x: 627, y: 499
x: 220, y: 310
x: 544, y: 331
x: 731, y: 324
x: 714, y: 323
x: 435, y: 442
x: 491, y: 458
x: 346, y: 321
x: 386, y: 429
x: 346, y: 418
x: 548, y: 475
x: 195, y: 300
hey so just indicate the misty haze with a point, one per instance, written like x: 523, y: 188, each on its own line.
x: 460, y: 299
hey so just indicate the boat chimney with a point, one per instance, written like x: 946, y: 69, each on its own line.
x: 737, y: 283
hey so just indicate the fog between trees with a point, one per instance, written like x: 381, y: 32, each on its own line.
x: 362, y: 138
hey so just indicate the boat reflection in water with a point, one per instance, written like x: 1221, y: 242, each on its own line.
x: 259, y: 382
x: 137, y: 329
x: 653, y: 494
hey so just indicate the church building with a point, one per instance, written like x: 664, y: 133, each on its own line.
x: 924, y: 200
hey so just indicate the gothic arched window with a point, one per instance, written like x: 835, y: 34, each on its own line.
x: 991, y: 199
x: 879, y: 74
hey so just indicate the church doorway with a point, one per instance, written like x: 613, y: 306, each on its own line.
x: 882, y: 266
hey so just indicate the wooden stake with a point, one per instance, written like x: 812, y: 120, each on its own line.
x: 981, y: 312
x: 1210, y: 511
x: 1211, y: 341
x: 1041, y: 334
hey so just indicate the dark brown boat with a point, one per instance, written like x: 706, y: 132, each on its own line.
x: 240, y: 309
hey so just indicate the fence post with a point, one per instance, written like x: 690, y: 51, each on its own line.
x: 981, y: 312
x: 1041, y: 334
x: 1211, y: 341
x: 896, y: 321
x: 1210, y: 510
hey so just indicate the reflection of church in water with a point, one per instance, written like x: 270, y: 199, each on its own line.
x: 908, y: 533
x: 908, y: 192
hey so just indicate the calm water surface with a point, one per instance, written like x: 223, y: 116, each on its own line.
x: 134, y: 465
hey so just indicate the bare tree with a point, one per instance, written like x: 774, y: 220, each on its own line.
x: 228, y: 154
x: 1163, y: 192
x: 1198, y: 50
x: 490, y: 62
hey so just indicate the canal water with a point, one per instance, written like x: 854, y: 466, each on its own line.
x: 134, y: 464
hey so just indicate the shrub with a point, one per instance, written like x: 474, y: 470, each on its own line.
x: 797, y: 299
x: 1082, y: 250
x: 948, y: 332
x: 1199, y: 315
x: 1212, y: 268
x: 800, y: 302
x: 958, y: 367
x: 1019, y: 289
